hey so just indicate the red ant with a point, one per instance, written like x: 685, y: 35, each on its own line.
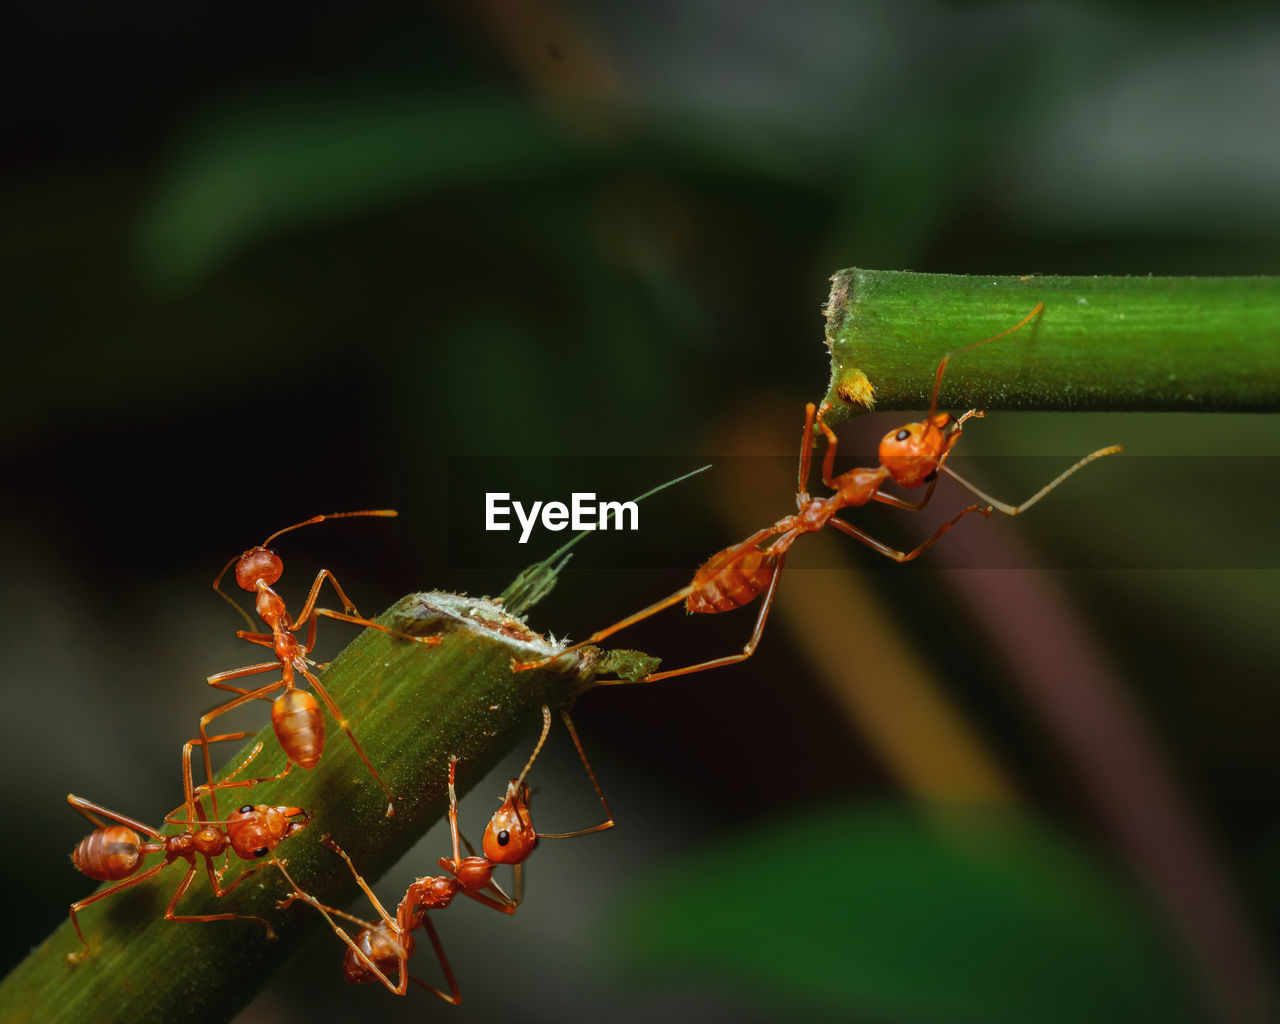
x: 911, y: 456
x: 386, y: 945
x: 295, y: 714
x: 114, y: 852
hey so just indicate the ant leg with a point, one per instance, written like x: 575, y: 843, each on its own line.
x: 342, y: 723
x: 222, y: 709
x: 456, y: 833
x: 256, y: 637
x: 905, y: 556
x: 1013, y: 510
x: 349, y: 613
x: 884, y: 497
x: 189, y: 792
x: 226, y: 783
x: 455, y: 995
x: 806, y: 454
x: 609, y: 822
x: 216, y: 681
x: 595, y: 638
x: 289, y: 900
x: 308, y: 605
x: 517, y: 870
x: 364, y: 886
x: 88, y: 901
x: 430, y: 641
x: 179, y: 892
x: 215, y: 877
x: 453, y: 810
x: 206, y: 788
x: 829, y: 456
x: 731, y: 659
x: 509, y: 907
x: 306, y: 897
x: 261, y: 639
x: 90, y: 810
x: 451, y: 866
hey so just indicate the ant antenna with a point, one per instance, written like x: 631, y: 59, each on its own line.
x: 217, y: 589
x: 546, y: 728
x: 937, y: 380
x: 1013, y: 510
x: 386, y: 513
x: 223, y: 571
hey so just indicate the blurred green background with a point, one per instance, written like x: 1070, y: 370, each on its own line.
x: 259, y: 265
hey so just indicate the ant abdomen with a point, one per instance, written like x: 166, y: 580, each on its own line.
x: 384, y: 946
x: 299, y: 726
x: 109, y: 854
x: 725, y: 583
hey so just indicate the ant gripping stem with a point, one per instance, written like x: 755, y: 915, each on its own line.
x: 295, y: 714
x: 911, y: 457
x: 381, y: 949
x: 116, y: 853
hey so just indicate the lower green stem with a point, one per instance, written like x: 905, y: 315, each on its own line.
x: 410, y: 706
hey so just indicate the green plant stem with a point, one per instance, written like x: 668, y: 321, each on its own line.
x: 1102, y: 343
x: 410, y: 706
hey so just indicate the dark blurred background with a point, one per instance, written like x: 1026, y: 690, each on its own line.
x: 259, y: 265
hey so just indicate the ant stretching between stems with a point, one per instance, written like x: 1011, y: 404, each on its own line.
x: 911, y: 456
x: 385, y: 946
x: 116, y: 852
x: 295, y: 714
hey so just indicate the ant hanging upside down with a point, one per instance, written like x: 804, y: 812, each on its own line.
x: 382, y: 948
x: 912, y: 456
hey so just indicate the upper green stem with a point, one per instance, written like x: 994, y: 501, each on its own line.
x: 1101, y: 343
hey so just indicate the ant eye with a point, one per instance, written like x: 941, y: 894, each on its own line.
x: 902, y: 435
x: 260, y: 851
x: 246, y: 808
x: 504, y: 837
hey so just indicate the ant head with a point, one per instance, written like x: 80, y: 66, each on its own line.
x: 256, y: 830
x: 510, y: 837
x: 911, y: 452
x: 258, y: 564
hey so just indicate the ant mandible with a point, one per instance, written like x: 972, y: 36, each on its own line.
x: 115, y: 853
x: 911, y: 456
x: 384, y: 947
x: 295, y: 714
